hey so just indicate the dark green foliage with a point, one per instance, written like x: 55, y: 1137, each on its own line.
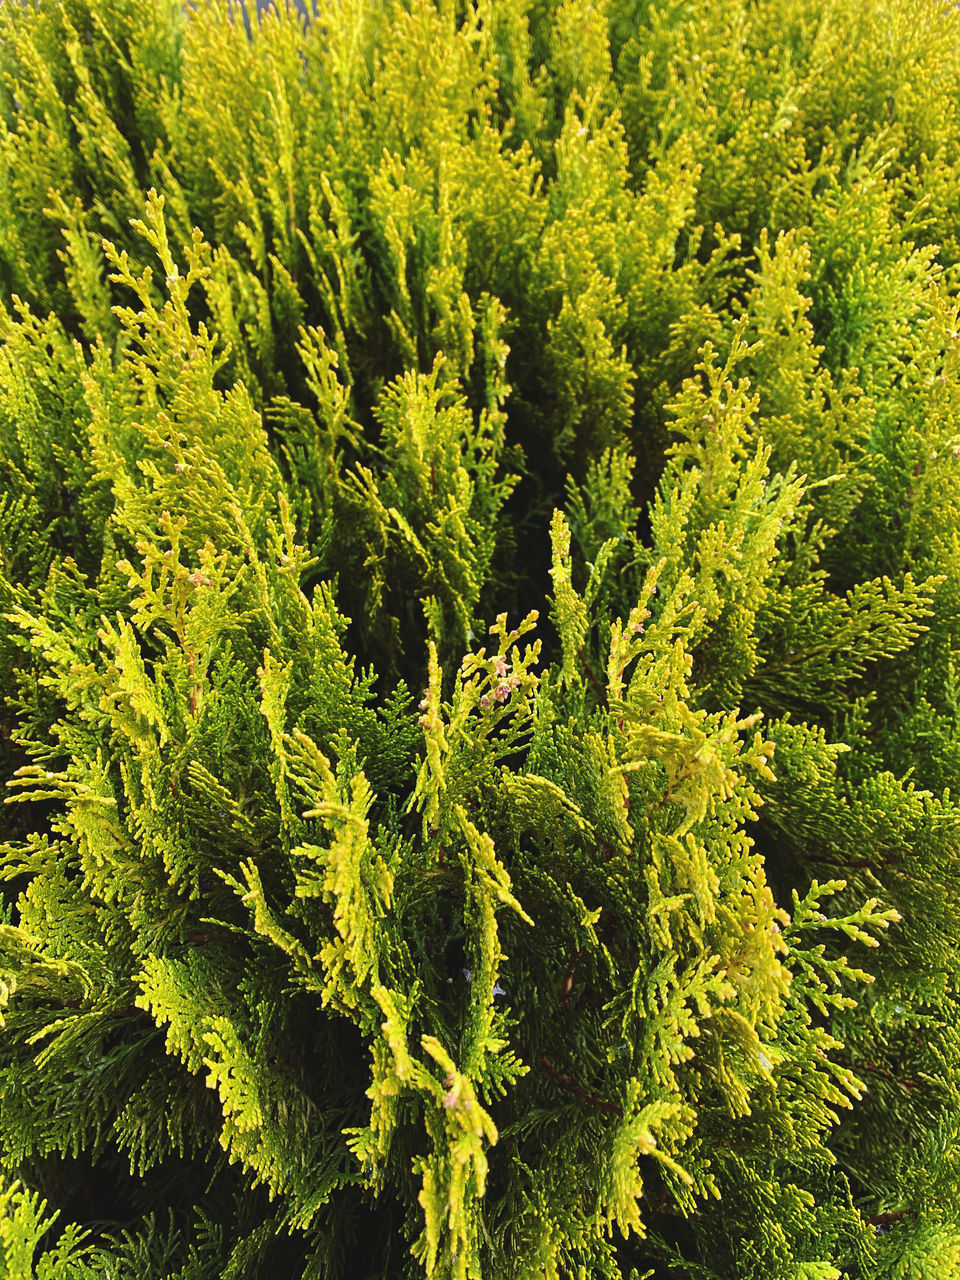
x: 479, y: 640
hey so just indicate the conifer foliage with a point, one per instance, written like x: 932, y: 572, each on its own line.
x: 480, y: 640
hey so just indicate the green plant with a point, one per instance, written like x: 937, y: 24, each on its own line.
x: 478, y: 630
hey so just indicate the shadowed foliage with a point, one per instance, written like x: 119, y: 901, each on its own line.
x: 479, y: 640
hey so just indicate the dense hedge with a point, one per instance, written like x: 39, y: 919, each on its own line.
x: 480, y: 642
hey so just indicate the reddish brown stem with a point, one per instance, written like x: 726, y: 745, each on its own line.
x: 597, y: 686
x: 566, y: 1083
x: 885, y: 1219
x: 567, y: 982
x: 877, y: 1070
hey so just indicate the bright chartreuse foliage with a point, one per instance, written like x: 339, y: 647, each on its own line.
x: 480, y: 640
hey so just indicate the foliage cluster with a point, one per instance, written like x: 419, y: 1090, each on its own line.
x: 480, y: 640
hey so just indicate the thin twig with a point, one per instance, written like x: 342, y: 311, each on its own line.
x: 877, y: 1070
x: 566, y: 1083
x: 597, y: 686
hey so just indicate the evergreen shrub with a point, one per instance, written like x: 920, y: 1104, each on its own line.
x: 480, y: 642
